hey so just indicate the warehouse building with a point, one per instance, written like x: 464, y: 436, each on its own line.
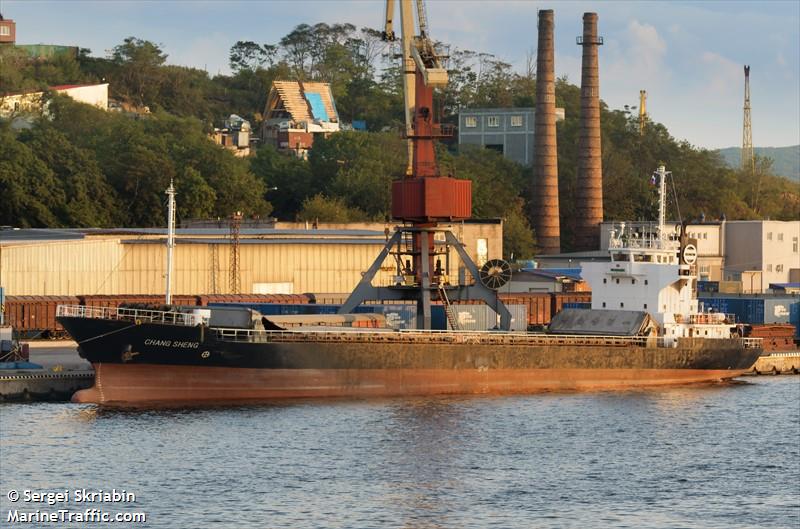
x: 272, y: 260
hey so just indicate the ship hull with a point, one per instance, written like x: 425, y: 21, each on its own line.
x: 139, y: 363
x: 147, y: 383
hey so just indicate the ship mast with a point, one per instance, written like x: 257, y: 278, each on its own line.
x: 170, y: 238
x: 661, y: 173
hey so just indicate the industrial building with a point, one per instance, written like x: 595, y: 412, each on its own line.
x: 509, y: 131
x: 279, y: 260
x: 751, y: 253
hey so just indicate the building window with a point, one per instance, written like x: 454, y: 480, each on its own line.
x: 794, y: 244
x: 645, y: 305
x: 493, y: 121
x: 769, y: 268
x: 633, y: 281
x: 621, y: 305
x: 516, y: 121
x: 470, y: 122
x: 769, y: 235
x: 645, y: 281
x: 605, y: 280
x: 779, y: 268
x: 780, y: 236
x: 482, y: 251
x: 5, y: 31
x: 705, y: 236
x: 604, y: 304
x: 618, y: 281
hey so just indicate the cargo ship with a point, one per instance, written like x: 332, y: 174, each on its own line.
x: 644, y: 329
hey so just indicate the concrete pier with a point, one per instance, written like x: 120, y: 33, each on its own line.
x: 787, y: 363
x: 63, y: 373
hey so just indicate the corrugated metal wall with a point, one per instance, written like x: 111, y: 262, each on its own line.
x: 108, y: 267
x: 61, y: 268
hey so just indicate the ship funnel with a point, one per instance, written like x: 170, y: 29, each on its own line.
x: 589, y: 195
x: 545, y: 163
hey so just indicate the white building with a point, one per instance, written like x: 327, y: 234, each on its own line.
x: 12, y: 105
x: 760, y: 252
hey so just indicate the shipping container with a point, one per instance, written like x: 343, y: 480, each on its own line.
x: 559, y: 298
x: 775, y: 337
x: 482, y: 317
x: 538, y: 305
x: 794, y: 318
x: 755, y: 310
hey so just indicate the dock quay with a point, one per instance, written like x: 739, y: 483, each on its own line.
x: 63, y: 373
x: 780, y: 363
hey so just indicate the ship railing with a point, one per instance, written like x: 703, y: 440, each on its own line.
x: 442, y: 337
x: 137, y: 316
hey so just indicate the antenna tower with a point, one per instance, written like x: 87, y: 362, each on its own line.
x: 235, y: 277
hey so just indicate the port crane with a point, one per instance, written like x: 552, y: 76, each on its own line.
x: 423, y: 198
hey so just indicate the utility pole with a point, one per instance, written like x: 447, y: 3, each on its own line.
x: 235, y: 276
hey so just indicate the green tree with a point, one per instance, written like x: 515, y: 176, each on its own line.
x: 139, y: 75
x: 28, y: 188
x: 320, y: 208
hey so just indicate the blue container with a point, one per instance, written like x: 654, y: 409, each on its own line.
x: 794, y: 318
x: 708, y: 286
x: 577, y: 305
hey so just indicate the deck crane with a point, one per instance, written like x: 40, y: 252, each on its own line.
x: 423, y: 197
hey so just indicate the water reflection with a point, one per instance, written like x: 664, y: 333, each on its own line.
x: 424, y: 443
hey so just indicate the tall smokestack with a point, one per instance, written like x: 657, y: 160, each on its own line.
x: 589, y: 196
x: 545, y: 164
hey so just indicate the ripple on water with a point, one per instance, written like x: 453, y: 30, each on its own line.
x: 689, y: 456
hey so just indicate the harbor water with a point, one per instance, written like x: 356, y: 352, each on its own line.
x: 712, y: 456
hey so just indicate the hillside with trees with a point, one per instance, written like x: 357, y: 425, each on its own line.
x: 77, y: 166
x: 785, y: 160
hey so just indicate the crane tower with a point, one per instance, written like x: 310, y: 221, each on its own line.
x: 420, y: 248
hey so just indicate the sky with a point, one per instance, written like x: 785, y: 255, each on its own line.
x: 689, y: 56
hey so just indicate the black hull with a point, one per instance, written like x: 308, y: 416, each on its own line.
x: 149, y: 362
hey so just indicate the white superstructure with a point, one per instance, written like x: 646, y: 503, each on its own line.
x: 651, y: 271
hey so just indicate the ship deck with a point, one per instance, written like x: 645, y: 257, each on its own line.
x: 383, y: 336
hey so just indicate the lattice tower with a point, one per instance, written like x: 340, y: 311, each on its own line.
x: 748, y: 161
x: 235, y: 284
